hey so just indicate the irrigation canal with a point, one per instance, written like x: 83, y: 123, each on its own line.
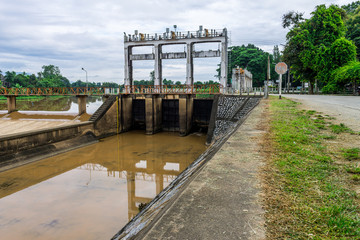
x: 92, y: 192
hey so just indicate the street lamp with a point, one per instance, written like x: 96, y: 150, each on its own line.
x: 86, y: 78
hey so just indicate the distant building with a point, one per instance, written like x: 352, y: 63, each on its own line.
x: 242, y: 80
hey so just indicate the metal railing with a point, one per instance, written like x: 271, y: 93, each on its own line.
x: 100, y: 91
x: 173, y: 89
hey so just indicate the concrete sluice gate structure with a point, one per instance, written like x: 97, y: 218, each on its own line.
x: 157, y: 154
x: 157, y: 41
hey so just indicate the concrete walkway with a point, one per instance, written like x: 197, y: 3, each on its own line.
x: 16, y: 122
x: 223, y: 200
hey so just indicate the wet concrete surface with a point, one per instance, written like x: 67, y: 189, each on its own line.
x: 92, y: 192
x: 20, y: 122
x: 223, y: 200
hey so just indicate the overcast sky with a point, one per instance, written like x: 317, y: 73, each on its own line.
x: 72, y: 34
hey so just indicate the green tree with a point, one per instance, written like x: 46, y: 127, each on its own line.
x: 22, y: 79
x: 348, y: 74
x: 253, y: 59
x: 51, y: 77
x: 292, y: 18
x: 2, y: 79
x: 351, y: 7
x: 276, y: 54
x: 339, y: 53
x: 352, y: 24
x: 167, y: 82
x: 10, y: 78
x: 110, y: 84
x: 316, y: 46
x: 152, y: 76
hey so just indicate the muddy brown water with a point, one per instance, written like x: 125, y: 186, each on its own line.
x: 92, y: 192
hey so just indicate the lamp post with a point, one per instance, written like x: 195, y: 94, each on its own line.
x: 86, y: 79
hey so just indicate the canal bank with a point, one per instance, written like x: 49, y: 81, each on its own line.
x: 223, y: 200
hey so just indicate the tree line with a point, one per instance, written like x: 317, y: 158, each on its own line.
x: 324, y: 49
x: 50, y: 76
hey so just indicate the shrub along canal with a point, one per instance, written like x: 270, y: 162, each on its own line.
x: 92, y: 192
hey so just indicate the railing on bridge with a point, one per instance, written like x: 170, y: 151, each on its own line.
x: 174, y: 89
x: 99, y: 91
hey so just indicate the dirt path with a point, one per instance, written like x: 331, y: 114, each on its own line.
x: 345, y: 109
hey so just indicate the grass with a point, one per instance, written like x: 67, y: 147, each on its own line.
x: 340, y: 128
x: 308, y: 195
x: 32, y: 98
x: 354, y: 169
x: 351, y: 154
x: 24, y: 98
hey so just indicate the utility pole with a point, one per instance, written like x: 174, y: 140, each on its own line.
x: 288, y: 82
x: 267, y: 79
x: 86, y: 78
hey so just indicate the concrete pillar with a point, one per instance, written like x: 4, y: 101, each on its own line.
x: 82, y: 103
x: 189, y: 64
x: 11, y: 103
x: 224, y: 60
x: 152, y: 113
x: 157, y: 113
x: 185, y: 113
x: 126, y: 112
x: 128, y: 66
x: 158, y: 66
x: 149, y: 114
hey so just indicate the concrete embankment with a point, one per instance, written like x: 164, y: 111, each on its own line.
x: 223, y: 200
x: 18, y: 149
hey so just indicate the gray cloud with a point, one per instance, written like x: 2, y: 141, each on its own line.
x: 86, y: 33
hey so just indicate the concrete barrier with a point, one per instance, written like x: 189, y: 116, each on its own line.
x: 14, y: 143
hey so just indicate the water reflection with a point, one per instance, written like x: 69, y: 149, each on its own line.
x: 92, y: 192
x: 63, y: 105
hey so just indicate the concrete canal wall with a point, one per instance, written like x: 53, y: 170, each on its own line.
x: 20, y: 147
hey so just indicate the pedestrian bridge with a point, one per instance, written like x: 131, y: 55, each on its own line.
x: 82, y: 92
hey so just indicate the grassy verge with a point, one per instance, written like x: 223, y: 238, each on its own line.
x: 32, y: 98
x: 308, y: 194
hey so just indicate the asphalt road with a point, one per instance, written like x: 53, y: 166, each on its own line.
x: 346, y: 109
